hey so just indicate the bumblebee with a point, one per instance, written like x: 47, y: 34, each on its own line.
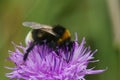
x: 51, y: 35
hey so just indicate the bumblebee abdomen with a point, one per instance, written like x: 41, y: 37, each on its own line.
x: 37, y: 34
x: 41, y: 36
x: 29, y: 38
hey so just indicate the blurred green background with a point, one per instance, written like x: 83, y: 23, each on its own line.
x: 96, y: 20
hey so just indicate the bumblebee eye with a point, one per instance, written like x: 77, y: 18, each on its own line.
x: 59, y: 30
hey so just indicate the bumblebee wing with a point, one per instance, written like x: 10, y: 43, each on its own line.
x: 35, y: 25
x: 42, y: 27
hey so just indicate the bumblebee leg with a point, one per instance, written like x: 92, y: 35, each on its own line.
x: 25, y: 56
x: 28, y: 51
x: 56, y: 51
x: 70, y: 46
x: 54, y: 46
x: 70, y: 50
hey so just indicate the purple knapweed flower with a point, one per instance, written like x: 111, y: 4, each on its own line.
x: 44, y: 64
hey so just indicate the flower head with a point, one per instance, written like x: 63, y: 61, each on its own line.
x: 44, y: 64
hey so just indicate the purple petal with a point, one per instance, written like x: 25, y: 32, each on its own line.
x: 44, y: 64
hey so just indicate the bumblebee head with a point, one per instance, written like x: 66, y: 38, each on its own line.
x: 62, y: 33
x: 59, y: 30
